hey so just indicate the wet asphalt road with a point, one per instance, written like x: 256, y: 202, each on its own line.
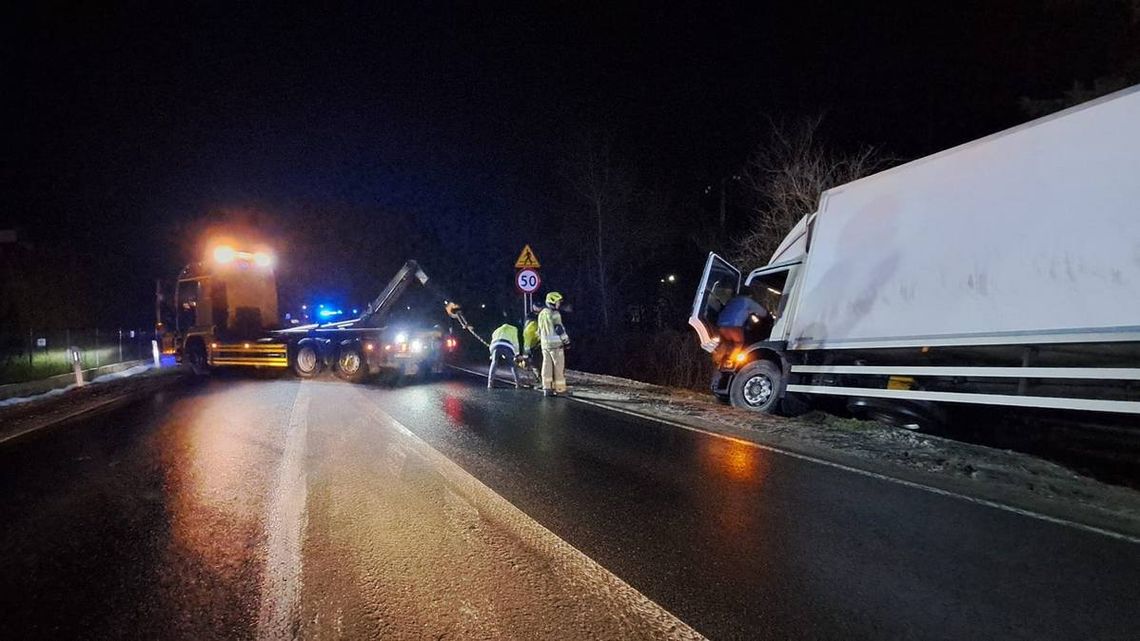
x: 151, y: 522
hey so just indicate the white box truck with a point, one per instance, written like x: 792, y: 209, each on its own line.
x: 1005, y: 271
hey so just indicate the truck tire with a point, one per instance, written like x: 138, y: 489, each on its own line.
x: 196, y: 358
x: 307, y: 361
x: 908, y: 415
x: 757, y: 387
x: 350, y: 363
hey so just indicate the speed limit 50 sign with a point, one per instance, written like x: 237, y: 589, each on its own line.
x: 527, y: 281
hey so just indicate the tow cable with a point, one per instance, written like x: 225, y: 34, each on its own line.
x: 453, y: 311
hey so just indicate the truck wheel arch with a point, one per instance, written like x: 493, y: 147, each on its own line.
x: 765, y: 353
x: 195, y: 355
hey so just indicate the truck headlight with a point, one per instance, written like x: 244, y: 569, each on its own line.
x: 401, y: 337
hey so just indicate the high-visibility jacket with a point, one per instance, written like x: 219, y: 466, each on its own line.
x: 506, y: 335
x: 530, y: 335
x: 551, y: 333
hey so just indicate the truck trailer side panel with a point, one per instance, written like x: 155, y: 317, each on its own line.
x: 1031, y: 235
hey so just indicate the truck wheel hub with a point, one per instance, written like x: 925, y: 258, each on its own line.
x: 757, y: 390
x: 307, y: 359
x: 349, y: 362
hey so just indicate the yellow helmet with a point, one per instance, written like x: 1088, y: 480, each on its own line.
x: 553, y: 298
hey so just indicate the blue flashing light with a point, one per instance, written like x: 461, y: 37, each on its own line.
x: 329, y: 313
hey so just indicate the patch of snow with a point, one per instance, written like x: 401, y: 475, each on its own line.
x: 16, y: 400
x: 105, y: 378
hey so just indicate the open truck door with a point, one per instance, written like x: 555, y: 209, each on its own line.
x: 719, y: 284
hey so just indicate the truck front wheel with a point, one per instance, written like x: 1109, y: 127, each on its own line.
x: 757, y: 387
x: 196, y: 358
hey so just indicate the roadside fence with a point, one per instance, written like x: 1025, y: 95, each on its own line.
x: 33, y: 354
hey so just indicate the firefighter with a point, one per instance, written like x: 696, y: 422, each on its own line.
x: 554, y: 340
x: 504, y: 346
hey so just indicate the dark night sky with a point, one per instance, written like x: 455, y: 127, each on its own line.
x: 125, y: 121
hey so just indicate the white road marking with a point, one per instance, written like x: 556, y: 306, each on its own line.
x: 494, y: 507
x: 285, y: 525
x: 855, y: 470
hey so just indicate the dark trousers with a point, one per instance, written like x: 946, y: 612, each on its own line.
x: 507, y: 355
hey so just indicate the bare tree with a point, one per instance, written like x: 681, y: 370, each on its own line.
x: 784, y: 178
x: 607, y: 189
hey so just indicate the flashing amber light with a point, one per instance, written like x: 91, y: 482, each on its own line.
x: 263, y: 259
x: 740, y: 356
x: 224, y: 254
x: 245, y: 345
x: 213, y: 346
x: 369, y: 347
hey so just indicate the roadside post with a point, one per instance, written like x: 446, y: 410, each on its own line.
x: 154, y: 352
x: 527, y: 279
x: 76, y: 365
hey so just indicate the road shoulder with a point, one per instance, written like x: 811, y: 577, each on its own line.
x: 18, y: 421
x: 1002, y: 479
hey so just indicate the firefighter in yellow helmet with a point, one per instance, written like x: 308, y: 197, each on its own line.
x: 554, y: 340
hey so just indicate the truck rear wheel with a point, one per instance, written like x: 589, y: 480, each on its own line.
x: 307, y: 360
x: 909, y: 415
x: 350, y: 364
x: 757, y: 387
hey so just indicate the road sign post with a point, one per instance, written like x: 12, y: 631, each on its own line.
x: 527, y: 280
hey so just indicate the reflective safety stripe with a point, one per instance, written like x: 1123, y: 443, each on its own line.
x: 506, y: 332
x: 503, y: 343
x: 551, y: 341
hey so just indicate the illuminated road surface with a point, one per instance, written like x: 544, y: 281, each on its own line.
x: 281, y: 509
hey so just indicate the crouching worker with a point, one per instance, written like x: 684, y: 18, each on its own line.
x: 526, y: 359
x: 504, y: 347
x: 554, y: 340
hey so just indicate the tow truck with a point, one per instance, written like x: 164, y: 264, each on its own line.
x: 227, y: 316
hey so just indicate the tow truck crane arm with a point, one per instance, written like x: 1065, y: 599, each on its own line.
x: 379, y: 309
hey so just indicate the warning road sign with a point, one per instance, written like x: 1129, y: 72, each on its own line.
x: 527, y: 281
x: 527, y: 259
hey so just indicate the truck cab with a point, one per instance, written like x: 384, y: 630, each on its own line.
x: 744, y: 323
x: 225, y: 308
